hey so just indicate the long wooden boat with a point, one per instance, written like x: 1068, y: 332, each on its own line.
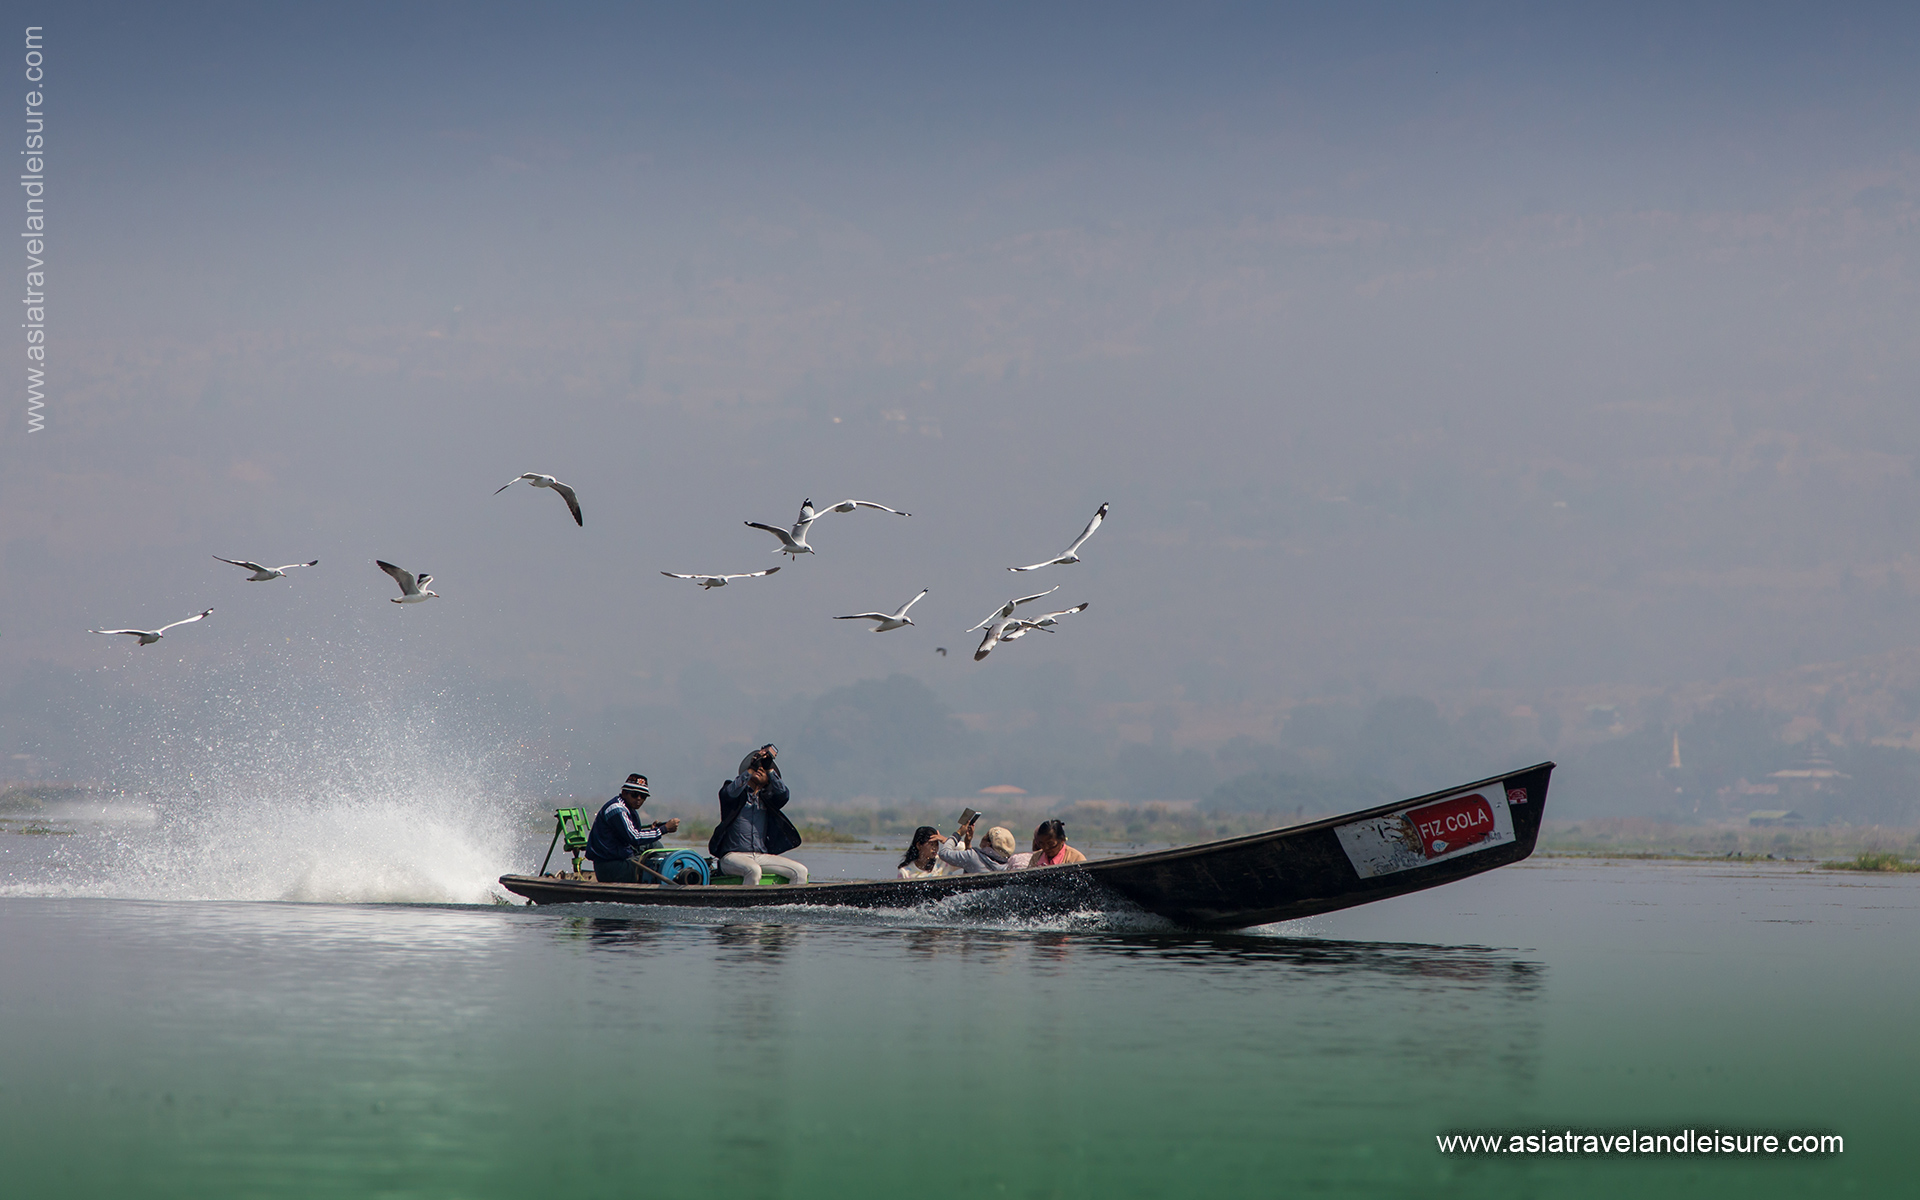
x: 1278, y: 875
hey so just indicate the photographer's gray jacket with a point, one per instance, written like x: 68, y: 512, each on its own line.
x: 781, y: 835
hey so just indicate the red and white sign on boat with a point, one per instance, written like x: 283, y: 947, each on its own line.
x: 1425, y: 833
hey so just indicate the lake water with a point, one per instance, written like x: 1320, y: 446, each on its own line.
x: 177, y: 1046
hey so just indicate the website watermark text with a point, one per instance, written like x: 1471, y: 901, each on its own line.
x: 33, y: 181
x: 1632, y: 1141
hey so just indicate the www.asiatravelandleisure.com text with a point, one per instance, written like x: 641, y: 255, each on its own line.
x: 1632, y: 1141
x: 33, y: 181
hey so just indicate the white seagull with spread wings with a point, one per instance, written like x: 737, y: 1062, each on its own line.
x: 792, y: 541
x: 997, y: 624
x: 149, y: 636
x: 846, y: 506
x: 713, y: 581
x: 412, y: 590
x: 897, y: 619
x: 548, y: 481
x: 262, y: 574
x: 1073, y: 552
x: 1006, y: 610
x: 1045, y: 624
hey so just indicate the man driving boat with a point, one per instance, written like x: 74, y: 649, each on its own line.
x: 618, y: 839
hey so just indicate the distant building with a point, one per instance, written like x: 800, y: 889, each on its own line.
x: 1775, y: 816
x: 1674, y: 764
x: 1003, y: 789
x: 1813, y: 777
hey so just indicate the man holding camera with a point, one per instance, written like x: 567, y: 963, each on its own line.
x: 753, y: 834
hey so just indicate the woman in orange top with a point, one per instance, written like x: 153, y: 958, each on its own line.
x: 1050, y: 847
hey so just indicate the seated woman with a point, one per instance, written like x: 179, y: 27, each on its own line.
x: 1050, y: 847
x: 922, y: 859
x: 992, y: 854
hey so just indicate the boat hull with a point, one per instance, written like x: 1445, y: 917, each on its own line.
x: 1278, y: 875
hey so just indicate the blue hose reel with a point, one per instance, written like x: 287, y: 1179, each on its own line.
x: 677, y: 866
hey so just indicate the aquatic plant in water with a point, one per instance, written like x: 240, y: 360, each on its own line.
x: 1871, y: 861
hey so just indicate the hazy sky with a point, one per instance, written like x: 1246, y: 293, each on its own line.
x: 1416, y: 349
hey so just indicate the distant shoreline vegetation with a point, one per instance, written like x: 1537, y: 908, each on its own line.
x: 35, y: 797
x: 1110, y: 823
x: 1640, y: 837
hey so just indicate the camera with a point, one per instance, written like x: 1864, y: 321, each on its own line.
x: 761, y: 759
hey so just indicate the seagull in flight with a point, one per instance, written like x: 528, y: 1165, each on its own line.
x: 1005, y: 611
x: 792, y: 541
x: 149, y: 636
x: 996, y: 626
x: 994, y: 635
x: 1049, y: 620
x: 411, y: 589
x: 1072, y: 555
x: 262, y: 574
x: 846, y: 506
x: 713, y: 581
x: 548, y: 481
x: 893, y: 620
x: 1045, y: 624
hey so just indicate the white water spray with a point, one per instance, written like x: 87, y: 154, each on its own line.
x: 298, y: 791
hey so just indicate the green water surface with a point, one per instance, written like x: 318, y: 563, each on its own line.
x: 263, y: 1049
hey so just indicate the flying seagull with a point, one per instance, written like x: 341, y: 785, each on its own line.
x: 992, y: 637
x: 548, y: 481
x: 1045, y: 624
x: 893, y: 620
x: 1072, y: 555
x: 412, y: 591
x: 262, y: 574
x: 996, y: 625
x: 149, y: 636
x: 792, y: 541
x: 941, y: 651
x: 713, y: 581
x: 1006, y: 610
x: 1049, y: 620
x: 846, y: 506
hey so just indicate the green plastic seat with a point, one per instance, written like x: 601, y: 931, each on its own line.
x: 767, y: 879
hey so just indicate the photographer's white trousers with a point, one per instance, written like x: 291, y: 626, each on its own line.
x: 749, y: 867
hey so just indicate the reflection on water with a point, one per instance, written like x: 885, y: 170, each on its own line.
x: 766, y: 942
x: 756, y: 942
x: 1467, y: 1014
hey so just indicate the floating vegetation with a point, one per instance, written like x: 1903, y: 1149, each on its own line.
x: 1868, y: 860
x: 30, y: 828
x: 824, y: 833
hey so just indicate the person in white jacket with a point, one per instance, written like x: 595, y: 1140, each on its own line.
x: 922, y: 859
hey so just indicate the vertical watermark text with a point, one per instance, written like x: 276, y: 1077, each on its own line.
x: 33, y: 181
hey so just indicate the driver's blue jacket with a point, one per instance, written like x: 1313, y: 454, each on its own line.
x: 616, y: 837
